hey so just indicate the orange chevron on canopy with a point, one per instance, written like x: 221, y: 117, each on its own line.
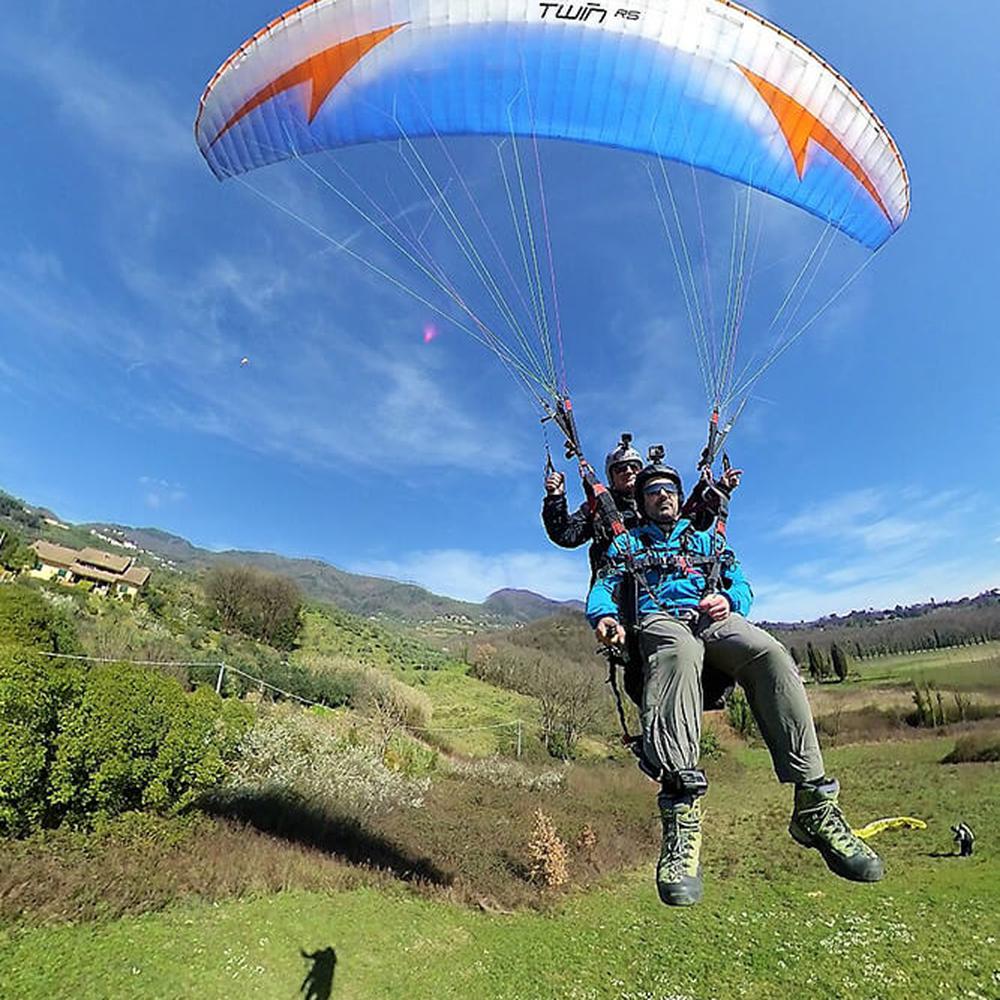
x: 799, y: 126
x: 323, y: 71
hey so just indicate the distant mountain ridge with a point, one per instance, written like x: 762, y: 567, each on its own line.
x: 526, y: 605
x: 370, y: 596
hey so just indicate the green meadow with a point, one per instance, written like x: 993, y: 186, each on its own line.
x: 773, y: 920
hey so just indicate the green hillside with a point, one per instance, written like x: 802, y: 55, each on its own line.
x: 468, y: 715
x: 367, y: 596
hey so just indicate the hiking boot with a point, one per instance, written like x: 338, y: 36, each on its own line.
x: 678, y: 872
x: 818, y: 822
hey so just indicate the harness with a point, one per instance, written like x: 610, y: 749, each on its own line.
x: 707, y: 503
x: 633, y: 568
x: 707, y: 508
x: 679, y: 564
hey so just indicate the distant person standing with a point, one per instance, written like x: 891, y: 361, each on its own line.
x: 964, y: 838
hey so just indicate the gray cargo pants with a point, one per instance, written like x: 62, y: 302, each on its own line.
x: 673, y: 655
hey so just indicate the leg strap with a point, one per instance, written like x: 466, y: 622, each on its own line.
x: 684, y: 783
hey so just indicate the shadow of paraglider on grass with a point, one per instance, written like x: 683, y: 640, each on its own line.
x: 318, y: 983
x: 299, y: 822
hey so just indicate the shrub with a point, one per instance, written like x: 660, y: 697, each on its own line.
x: 27, y: 619
x: 935, y: 708
x: 974, y: 748
x: 341, y: 678
x: 14, y: 554
x: 586, y: 842
x: 508, y: 774
x: 392, y: 706
x: 547, y: 853
x: 709, y: 746
x: 329, y: 689
x: 409, y: 757
x: 570, y: 694
x: 135, y: 740
x: 739, y: 716
x: 293, y: 751
x: 32, y: 693
x: 119, y: 633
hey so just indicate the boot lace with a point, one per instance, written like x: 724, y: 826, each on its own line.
x: 830, y: 824
x: 679, y: 857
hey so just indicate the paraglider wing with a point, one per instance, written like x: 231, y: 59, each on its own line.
x: 878, y: 826
x: 704, y: 82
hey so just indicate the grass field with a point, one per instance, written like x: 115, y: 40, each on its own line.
x: 943, y: 665
x: 468, y: 717
x: 471, y: 717
x: 773, y: 921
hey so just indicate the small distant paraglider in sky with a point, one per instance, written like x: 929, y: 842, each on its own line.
x: 244, y: 362
x: 430, y: 332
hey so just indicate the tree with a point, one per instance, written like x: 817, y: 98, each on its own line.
x: 815, y: 662
x: 569, y: 699
x: 14, y: 554
x: 229, y: 590
x: 262, y: 605
x: 840, y: 662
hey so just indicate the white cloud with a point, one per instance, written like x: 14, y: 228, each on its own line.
x: 473, y: 576
x: 159, y: 493
x: 876, y: 548
x: 115, y: 110
x: 345, y: 405
x: 336, y: 389
x: 880, y: 519
x: 945, y: 580
x: 8, y: 374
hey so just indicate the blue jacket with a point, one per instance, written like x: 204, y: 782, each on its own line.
x: 673, y: 589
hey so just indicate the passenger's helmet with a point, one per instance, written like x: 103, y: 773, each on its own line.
x: 657, y: 470
x: 622, y: 454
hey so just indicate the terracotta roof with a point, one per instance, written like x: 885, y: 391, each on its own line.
x: 54, y: 555
x: 136, y: 575
x: 104, y: 560
x: 89, y: 572
x: 92, y: 564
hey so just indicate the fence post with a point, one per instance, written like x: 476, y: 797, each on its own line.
x: 519, y: 737
x: 221, y: 677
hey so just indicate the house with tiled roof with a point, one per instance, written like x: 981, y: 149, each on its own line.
x: 108, y: 573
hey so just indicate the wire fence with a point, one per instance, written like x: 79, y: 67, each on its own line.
x: 516, y: 724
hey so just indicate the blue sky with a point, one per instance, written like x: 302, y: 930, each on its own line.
x: 133, y: 283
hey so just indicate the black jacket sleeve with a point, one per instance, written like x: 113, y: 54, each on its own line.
x: 565, y: 529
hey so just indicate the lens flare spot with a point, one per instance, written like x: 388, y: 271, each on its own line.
x: 430, y: 333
